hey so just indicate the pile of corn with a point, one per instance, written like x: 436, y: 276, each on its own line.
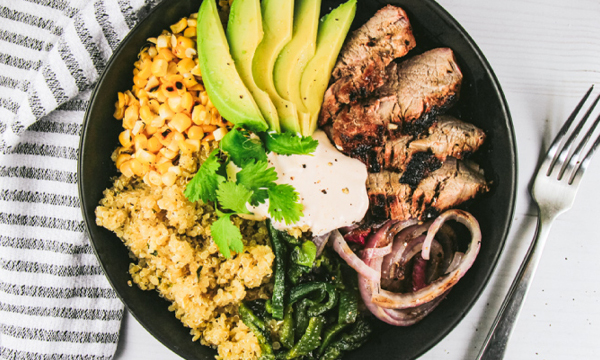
x: 167, y: 113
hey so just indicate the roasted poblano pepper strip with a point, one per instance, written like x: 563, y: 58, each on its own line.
x: 259, y: 329
x: 304, y: 255
x: 348, y: 308
x: 330, y: 334
x: 277, y: 301
x: 352, y: 340
x: 286, y: 334
x: 317, y: 308
x: 310, y: 340
x: 296, y: 272
x: 300, y: 317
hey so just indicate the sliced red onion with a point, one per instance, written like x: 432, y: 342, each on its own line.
x: 387, y: 299
x: 341, y: 247
x: 400, y: 243
x: 376, y: 252
x: 320, y: 242
x: 458, y: 256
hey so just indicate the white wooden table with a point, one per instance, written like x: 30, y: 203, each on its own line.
x: 545, y: 53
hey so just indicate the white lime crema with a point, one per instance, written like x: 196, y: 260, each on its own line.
x: 331, y: 185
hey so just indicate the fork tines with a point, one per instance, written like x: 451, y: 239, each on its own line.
x: 573, y: 165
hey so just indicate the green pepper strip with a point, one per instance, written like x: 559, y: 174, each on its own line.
x: 348, y: 309
x: 331, y: 334
x: 258, y: 328
x: 350, y: 341
x: 310, y: 340
x: 277, y: 301
x: 300, y: 317
x: 316, y: 308
x: 286, y: 334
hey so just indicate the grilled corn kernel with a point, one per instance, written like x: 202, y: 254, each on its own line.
x: 220, y: 133
x: 172, y: 69
x: 193, y: 145
x: 179, y: 26
x: 209, y: 128
x: 125, y: 138
x: 162, y: 42
x: 126, y: 168
x: 136, y: 167
x: 154, y: 145
x: 164, y: 166
x: 130, y: 117
x: 190, y: 31
x: 145, y: 157
x: 145, y: 71
x: 152, y: 83
x: 175, y: 103
x: 191, y: 23
x: 140, y: 141
x: 169, y: 178
x: 138, y: 128
x: 165, y: 112
x: 204, y: 98
x: 195, y: 133
x: 187, y: 101
x: 185, y: 66
x: 119, y: 112
x: 146, y: 114
x: 121, y: 159
x: 159, y: 67
x: 169, y: 154
x: 152, y: 50
x: 154, y: 178
x: 150, y: 130
x: 180, y: 122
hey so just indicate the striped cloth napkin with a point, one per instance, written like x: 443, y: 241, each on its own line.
x: 55, y: 302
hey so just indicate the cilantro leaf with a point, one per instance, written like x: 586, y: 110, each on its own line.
x: 283, y: 204
x: 227, y: 236
x: 241, y: 148
x: 258, y: 177
x: 204, y: 184
x: 234, y: 197
x: 290, y: 144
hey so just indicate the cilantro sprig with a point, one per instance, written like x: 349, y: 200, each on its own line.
x: 253, y: 184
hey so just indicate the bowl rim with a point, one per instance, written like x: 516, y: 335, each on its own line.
x: 440, y: 12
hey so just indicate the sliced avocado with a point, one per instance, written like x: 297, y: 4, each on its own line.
x: 297, y: 53
x: 244, y: 33
x: 278, y: 19
x: 332, y: 32
x: 223, y: 84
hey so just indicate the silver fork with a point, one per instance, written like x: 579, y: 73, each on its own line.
x: 554, y: 189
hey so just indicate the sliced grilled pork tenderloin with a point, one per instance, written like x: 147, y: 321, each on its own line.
x: 448, y: 137
x: 447, y: 187
x: 360, y: 69
x: 415, y: 92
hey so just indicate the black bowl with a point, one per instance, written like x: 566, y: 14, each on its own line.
x: 481, y: 103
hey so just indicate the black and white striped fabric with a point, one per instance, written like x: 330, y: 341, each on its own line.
x: 55, y: 302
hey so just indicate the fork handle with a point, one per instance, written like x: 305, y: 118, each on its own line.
x: 494, y: 345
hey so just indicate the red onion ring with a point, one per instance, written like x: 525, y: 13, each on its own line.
x: 341, y: 247
x: 320, y: 242
x: 387, y: 299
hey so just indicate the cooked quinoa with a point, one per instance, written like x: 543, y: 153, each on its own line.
x: 166, y: 135
x: 169, y: 238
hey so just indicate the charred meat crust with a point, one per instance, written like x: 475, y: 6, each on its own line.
x: 414, y: 93
x: 361, y: 67
x: 385, y: 37
x: 452, y: 184
x: 448, y: 137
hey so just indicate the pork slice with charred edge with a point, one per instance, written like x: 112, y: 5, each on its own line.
x: 414, y: 93
x: 447, y: 137
x: 360, y: 69
x: 449, y: 186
